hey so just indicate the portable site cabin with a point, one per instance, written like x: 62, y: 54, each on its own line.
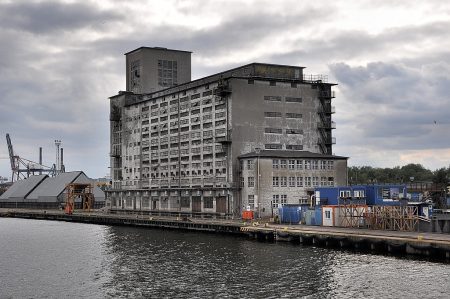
x: 389, y: 195
x: 344, y: 216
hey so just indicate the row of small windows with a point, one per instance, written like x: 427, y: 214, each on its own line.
x: 278, y: 146
x: 302, y: 164
x: 182, y: 100
x: 280, y: 131
x: 294, y: 181
x: 279, y: 199
x: 272, y: 83
x: 276, y: 200
x: 184, y: 121
x: 295, y: 164
x: 219, y: 106
x: 187, y: 173
x: 299, y: 181
x: 279, y: 114
x: 279, y: 99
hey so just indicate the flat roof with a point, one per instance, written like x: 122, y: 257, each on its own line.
x: 289, y: 154
x: 236, y: 72
x: 156, y: 48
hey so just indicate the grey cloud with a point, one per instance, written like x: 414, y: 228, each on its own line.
x: 50, y: 16
x: 241, y: 31
x: 393, y: 106
x: 352, y: 44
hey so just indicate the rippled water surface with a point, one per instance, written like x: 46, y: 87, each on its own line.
x: 45, y: 259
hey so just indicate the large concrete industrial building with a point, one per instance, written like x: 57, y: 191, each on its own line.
x: 179, y: 145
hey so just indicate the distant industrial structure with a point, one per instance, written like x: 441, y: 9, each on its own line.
x: 22, y: 168
x: 183, y: 146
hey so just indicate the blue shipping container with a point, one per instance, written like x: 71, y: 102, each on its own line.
x: 290, y: 214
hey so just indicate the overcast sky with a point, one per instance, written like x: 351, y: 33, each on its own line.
x: 61, y: 60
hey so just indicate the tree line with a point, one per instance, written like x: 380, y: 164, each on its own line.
x: 397, y: 175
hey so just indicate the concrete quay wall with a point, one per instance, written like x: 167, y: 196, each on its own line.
x: 428, y: 245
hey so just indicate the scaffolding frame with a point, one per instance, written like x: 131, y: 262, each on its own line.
x: 352, y: 212
x: 82, y: 191
x: 400, y: 218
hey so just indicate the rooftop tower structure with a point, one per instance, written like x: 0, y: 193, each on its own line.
x: 149, y: 69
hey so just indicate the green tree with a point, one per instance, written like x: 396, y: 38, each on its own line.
x: 441, y: 176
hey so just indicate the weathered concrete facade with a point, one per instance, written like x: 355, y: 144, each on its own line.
x: 177, y: 149
x: 272, y: 178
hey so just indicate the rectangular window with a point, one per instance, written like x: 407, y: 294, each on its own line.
x: 283, y: 164
x: 207, y: 133
x: 323, y: 181
x: 294, y: 131
x: 291, y: 164
x: 331, y: 181
x: 273, y: 146
x: 250, y: 164
x: 299, y: 181
x: 315, y: 164
x: 251, y: 181
x: 275, y: 200
x: 292, y: 181
x: 293, y: 115
x: 185, y: 202
x: 220, y: 114
x: 344, y: 194
x: 323, y: 165
x: 283, y: 181
x: 294, y: 147
x: 195, y: 96
x: 359, y: 193
x: 251, y: 201
x: 272, y: 114
x: 242, y: 182
x: 208, y: 202
x: 300, y: 164
x: 275, y: 181
x: 207, y: 125
x: 328, y: 214
x: 275, y: 163
x: 207, y: 93
x: 273, y: 130
x: 272, y: 98
x: 330, y: 165
x: 308, y: 181
x: 293, y: 100
x: 315, y: 181
x: 307, y: 164
x: 283, y: 199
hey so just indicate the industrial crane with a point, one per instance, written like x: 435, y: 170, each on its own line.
x: 22, y: 168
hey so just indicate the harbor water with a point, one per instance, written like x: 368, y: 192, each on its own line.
x: 51, y: 259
